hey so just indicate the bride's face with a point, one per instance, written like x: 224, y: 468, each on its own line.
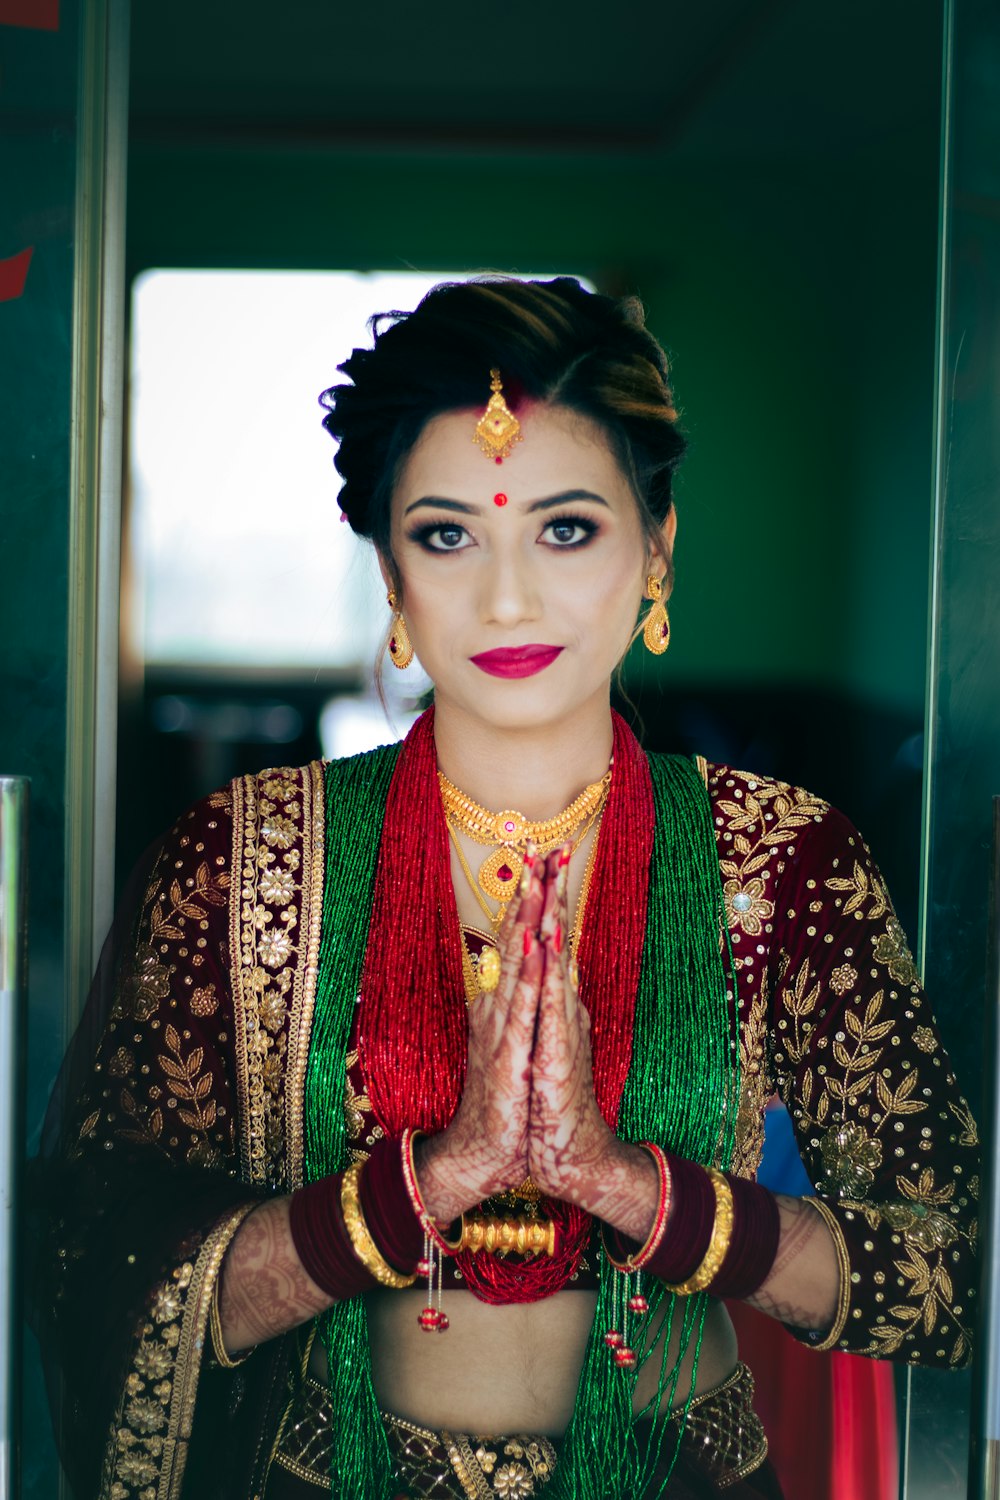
x: 521, y: 581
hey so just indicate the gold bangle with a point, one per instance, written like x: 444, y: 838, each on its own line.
x: 223, y: 1358
x: 362, y: 1243
x: 722, y: 1233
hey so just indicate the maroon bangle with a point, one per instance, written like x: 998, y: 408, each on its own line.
x: 386, y: 1206
x: 690, y: 1222
x: 754, y: 1244
x: 321, y: 1240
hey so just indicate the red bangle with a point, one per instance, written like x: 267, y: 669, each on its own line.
x: 638, y: 1259
x: 688, y: 1228
x: 427, y: 1224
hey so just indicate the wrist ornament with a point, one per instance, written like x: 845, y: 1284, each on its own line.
x: 362, y: 1243
x: 720, y: 1234
x: 432, y: 1318
x: 637, y: 1259
x: 427, y: 1224
x: 718, y: 1245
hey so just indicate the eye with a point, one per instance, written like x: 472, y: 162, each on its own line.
x: 571, y: 531
x: 441, y: 536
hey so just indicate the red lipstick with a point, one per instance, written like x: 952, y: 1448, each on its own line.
x: 516, y: 661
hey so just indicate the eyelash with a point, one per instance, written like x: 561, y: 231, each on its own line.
x: 423, y: 534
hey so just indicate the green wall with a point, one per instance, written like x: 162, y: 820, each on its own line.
x: 797, y: 301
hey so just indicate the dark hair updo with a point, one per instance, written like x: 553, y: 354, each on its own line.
x: 551, y: 341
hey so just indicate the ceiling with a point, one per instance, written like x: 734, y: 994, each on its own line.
x: 733, y: 78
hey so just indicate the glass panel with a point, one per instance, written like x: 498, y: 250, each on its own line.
x: 964, y: 670
x: 38, y: 148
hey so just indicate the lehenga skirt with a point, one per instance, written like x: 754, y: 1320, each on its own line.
x: 723, y: 1451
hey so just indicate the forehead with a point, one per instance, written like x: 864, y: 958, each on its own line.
x: 560, y: 449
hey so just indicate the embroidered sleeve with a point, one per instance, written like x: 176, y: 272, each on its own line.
x: 883, y: 1130
x: 148, y: 1197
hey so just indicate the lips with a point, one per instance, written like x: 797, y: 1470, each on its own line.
x: 516, y: 661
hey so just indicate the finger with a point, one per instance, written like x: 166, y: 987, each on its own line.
x: 555, y: 915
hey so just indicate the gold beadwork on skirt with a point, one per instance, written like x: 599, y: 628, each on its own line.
x: 723, y: 1437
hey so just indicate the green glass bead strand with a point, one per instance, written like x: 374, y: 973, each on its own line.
x: 356, y: 792
x: 682, y: 1093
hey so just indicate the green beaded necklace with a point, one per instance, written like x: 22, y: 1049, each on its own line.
x: 682, y: 1090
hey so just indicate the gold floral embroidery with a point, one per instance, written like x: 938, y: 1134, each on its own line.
x: 187, y: 1082
x: 746, y: 905
x: 146, y: 1456
x: 204, y: 1001
x: 756, y: 1088
x: 891, y: 950
x: 278, y: 840
x: 925, y: 1038
x: 843, y: 978
x: 850, y: 1160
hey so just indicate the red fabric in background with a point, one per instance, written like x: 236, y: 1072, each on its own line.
x: 14, y: 272
x: 830, y: 1417
x: 36, y: 15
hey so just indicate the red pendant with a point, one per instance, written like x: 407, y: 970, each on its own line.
x: 638, y: 1305
x: 505, y: 873
x: 442, y: 1323
x: 624, y: 1358
x: 613, y: 1338
x: 429, y: 1319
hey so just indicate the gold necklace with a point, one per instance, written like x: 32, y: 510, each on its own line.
x: 510, y: 832
x: 495, y: 918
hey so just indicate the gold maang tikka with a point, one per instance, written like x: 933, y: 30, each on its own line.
x: 497, y: 429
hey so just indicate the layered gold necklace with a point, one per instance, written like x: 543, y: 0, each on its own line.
x: 508, y: 834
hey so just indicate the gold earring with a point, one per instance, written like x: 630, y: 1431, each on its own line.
x: 400, y: 649
x: 656, y: 633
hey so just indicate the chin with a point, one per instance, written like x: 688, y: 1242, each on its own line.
x: 527, y: 703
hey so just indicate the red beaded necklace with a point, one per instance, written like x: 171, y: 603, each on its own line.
x: 413, y: 1035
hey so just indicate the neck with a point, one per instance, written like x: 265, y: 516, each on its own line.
x: 538, y: 771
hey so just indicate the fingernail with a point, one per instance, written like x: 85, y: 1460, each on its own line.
x: 557, y: 938
x: 525, y: 885
x: 565, y: 855
x: 529, y: 941
x: 574, y: 974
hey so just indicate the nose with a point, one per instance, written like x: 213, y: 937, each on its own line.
x: 510, y: 590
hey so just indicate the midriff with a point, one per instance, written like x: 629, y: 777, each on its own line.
x: 512, y: 1368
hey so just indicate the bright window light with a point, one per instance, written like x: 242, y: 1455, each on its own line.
x: 236, y: 551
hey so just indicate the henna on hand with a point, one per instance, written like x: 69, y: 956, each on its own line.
x: 573, y: 1154
x: 802, y: 1285
x: 265, y: 1289
x: 484, y: 1149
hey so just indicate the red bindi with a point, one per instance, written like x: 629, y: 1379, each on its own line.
x: 499, y: 499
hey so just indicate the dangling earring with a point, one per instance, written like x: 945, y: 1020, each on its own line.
x: 656, y: 632
x: 400, y: 649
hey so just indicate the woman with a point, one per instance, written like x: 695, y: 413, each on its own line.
x: 419, y: 1146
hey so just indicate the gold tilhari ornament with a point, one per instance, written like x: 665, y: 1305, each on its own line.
x: 497, y: 429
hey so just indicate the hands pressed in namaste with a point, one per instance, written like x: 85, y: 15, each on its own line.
x: 528, y: 1104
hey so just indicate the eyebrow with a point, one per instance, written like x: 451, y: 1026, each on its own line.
x: 436, y: 502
